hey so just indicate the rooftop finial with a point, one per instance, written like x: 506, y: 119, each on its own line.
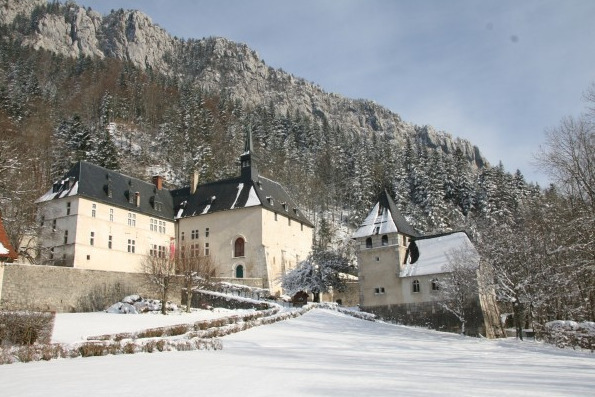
x: 247, y: 167
x: 248, y: 144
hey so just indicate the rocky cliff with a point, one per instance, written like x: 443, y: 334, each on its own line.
x: 215, y: 64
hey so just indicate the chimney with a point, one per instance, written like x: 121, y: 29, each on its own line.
x: 193, y: 182
x: 158, y: 181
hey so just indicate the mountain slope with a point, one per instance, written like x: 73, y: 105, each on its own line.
x: 213, y: 64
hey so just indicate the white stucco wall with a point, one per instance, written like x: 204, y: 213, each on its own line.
x: 270, y: 245
x: 78, y: 250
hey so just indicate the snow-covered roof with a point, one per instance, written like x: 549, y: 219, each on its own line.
x: 113, y: 188
x: 434, y: 253
x: 383, y: 219
x: 236, y: 193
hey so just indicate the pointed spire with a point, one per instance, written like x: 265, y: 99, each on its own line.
x: 248, y: 169
x: 248, y: 142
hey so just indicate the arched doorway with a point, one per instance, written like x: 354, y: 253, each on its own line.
x: 239, y: 273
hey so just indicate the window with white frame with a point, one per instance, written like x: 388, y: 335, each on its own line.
x: 131, y: 246
x: 157, y: 251
x: 111, y: 214
x: 194, y: 234
x: 416, y: 286
x: 109, y: 242
x: 93, y: 210
x: 194, y: 250
x: 131, y: 219
x: 207, y: 249
x: 153, y: 224
x: 92, y: 238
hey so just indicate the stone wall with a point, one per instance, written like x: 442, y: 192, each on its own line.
x: 431, y: 315
x: 347, y: 298
x: 62, y: 289
x: 201, y: 300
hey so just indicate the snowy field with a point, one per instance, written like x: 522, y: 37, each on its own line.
x: 321, y: 353
x: 76, y: 327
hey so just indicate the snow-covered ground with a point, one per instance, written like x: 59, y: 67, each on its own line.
x: 76, y: 327
x: 322, y: 353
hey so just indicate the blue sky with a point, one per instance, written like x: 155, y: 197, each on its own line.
x: 496, y: 72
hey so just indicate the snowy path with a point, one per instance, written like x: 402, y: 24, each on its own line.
x: 322, y: 353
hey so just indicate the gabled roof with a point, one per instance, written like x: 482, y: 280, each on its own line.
x: 248, y: 190
x: 433, y: 253
x: 6, y: 250
x: 112, y: 188
x: 383, y: 219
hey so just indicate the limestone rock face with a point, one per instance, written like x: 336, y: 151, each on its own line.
x: 132, y: 36
x: 214, y: 64
x: 9, y: 9
x: 73, y: 35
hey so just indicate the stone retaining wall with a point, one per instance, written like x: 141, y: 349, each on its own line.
x: 63, y: 289
x: 431, y: 315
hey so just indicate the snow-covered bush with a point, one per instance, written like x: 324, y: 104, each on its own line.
x: 352, y: 313
x: 134, y: 304
x: 242, y: 290
x: 570, y: 334
x: 26, y: 328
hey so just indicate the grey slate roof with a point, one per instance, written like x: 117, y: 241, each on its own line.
x: 248, y: 190
x: 96, y: 183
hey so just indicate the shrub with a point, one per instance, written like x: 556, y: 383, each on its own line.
x: 92, y: 349
x: 26, y: 328
x: 570, y: 334
x: 103, y: 296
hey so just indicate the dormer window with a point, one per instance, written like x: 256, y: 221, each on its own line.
x: 284, y: 206
x: 270, y: 200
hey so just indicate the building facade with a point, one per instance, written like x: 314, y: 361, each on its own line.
x: 400, y: 271
x: 99, y: 219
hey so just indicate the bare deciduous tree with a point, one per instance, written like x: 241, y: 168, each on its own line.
x: 160, y: 268
x: 459, y: 286
x: 569, y: 159
x: 195, y: 266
